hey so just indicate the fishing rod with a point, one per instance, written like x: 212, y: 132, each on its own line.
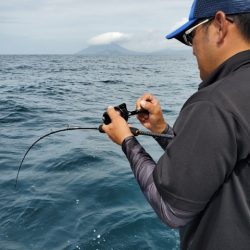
x: 122, y: 109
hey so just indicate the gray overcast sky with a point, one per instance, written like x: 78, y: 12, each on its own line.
x: 67, y: 26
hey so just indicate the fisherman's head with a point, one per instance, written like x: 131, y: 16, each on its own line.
x: 217, y: 29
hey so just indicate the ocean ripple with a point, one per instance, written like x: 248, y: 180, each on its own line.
x: 76, y: 189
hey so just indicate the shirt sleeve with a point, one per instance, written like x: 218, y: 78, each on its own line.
x: 199, y: 158
x: 163, y: 142
x: 143, y: 166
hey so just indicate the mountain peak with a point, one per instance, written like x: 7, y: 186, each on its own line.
x: 107, y: 50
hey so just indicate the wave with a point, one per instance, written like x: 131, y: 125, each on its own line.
x: 19, y: 67
x: 60, y: 70
x: 16, y: 114
x: 77, y: 191
x: 112, y: 82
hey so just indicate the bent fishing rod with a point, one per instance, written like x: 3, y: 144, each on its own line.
x: 121, y: 109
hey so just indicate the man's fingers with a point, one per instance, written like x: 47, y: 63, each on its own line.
x: 148, y: 97
x: 112, y: 112
x: 149, y: 106
x: 146, y: 102
x: 137, y: 104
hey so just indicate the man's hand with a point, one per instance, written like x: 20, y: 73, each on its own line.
x: 118, y: 130
x: 153, y: 121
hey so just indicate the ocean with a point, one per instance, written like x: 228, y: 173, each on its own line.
x: 76, y: 189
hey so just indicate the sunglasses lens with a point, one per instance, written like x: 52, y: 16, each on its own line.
x: 188, y: 38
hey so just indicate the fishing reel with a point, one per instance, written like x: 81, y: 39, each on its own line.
x: 124, y: 113
x: 121, y: 109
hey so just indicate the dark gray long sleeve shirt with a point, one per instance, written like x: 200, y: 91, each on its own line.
x: 201, y: 182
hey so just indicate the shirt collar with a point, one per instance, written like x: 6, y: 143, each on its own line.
x: 229, y: 66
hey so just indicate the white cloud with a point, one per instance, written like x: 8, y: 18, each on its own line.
x: 109, y: 37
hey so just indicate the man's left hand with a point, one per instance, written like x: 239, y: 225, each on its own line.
x: 118, y: 130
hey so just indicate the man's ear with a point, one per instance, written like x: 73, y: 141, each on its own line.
x: 221, y: 25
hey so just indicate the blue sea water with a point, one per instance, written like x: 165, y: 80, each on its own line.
x: 76, y: 189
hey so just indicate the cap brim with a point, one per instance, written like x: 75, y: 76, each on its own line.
x: 179, y: 32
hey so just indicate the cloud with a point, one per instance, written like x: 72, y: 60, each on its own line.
x: 109, y: 37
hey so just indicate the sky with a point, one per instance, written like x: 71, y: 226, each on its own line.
x: 68, y: 26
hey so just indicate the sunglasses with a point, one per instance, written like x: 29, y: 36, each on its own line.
x: 188, y: 36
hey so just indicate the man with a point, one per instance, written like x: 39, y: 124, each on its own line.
x: 201, y: 184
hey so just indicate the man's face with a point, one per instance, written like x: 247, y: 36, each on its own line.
x: 203, y: 50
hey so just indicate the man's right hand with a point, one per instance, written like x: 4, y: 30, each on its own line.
x: 153, y: 121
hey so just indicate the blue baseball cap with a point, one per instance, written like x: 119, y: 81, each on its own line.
x: 202, y: 9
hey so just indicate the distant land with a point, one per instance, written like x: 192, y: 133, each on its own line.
x: 117, y: 50
x: 107, y: 50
